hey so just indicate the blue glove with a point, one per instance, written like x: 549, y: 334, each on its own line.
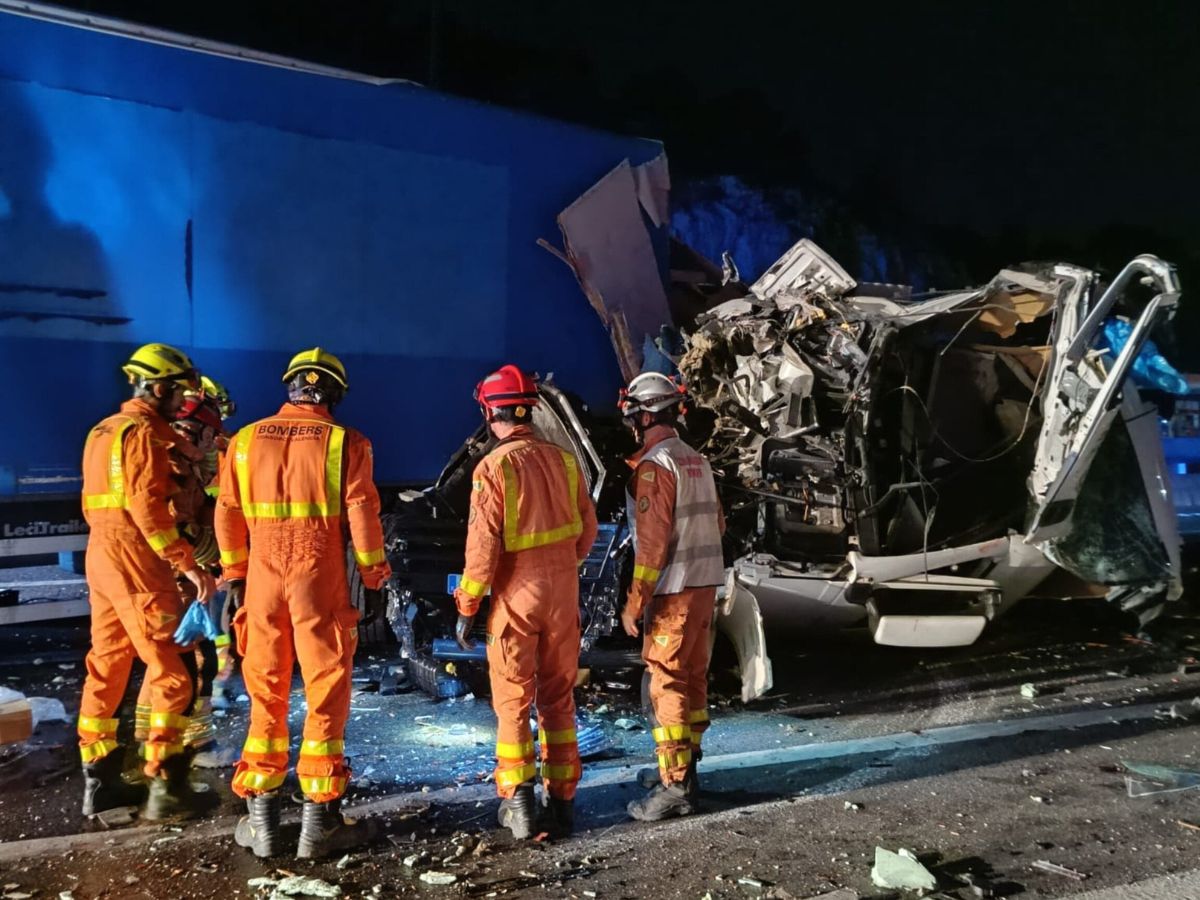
x: 197, y: 624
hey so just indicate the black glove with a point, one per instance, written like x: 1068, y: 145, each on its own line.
x: 374, y: 605
x: 462, y: 632
x: 235, y: 595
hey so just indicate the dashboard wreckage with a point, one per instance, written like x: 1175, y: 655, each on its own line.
x: 912, y: 465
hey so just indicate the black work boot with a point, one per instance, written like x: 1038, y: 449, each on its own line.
x: 103, y: 787
x: 171, y: 794
x: 259, y: 830
x: 518, y: 813
x: 558, y: 816
x: 650, y: 777
x: 665, y: 801
x: 323, y: 831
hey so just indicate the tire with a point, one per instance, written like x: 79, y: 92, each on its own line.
x: 377, y: 633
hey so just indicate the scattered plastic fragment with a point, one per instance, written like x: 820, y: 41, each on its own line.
x: 627, y: 724
x: 1029, y: 690
x: 851, y: 807
x: 901, y: 871
x: 1156, y: 779
x: 434, y: 877
x: 1055, y: 869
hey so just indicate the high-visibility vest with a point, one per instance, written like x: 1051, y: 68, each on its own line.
x: 104, y: 478
x: 290, y: 469
x: 104, y: 484
x: 695, y: 558
x: 541, y: 494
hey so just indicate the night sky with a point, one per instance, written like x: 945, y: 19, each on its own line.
x: 995, y: 131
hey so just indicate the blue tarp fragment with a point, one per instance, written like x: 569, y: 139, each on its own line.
x: 1151, y: 368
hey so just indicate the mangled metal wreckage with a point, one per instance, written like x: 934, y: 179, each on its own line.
x: 923, y: 465
x: 914, y: 465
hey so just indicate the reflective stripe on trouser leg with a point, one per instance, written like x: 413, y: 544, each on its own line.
x: 141, y: 722
x: 561, y: 767
x: 698, y: 719
x: 511, y: 666
x: 263, y: 765
x: 673, y: 746
x: 224, y: 659
x: 97, y: 738
x: 165, y: 738
x: 201, y: 730
x: 514, y: 765
x: 322, y: 770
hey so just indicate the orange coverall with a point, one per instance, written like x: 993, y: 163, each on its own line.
x: 288, y: 486
x: 192, y: 510
x: 676, y: 628
x: 135, y: 601
x: 531, y: 523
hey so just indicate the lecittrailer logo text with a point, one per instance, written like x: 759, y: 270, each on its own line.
x: 42, y: 529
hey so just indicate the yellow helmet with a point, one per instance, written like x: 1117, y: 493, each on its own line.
x: 157, y: 362
x: 217, y: 392
x: 321, y: 361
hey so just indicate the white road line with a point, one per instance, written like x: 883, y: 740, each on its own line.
x: 1184, y: 886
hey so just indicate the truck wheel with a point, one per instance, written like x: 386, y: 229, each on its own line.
x: 377, y: 633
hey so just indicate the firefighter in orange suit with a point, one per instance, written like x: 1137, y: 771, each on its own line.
x: 136, y: 604
x: 677, y: 525
x: 290, y: 486
x: 531, y: 523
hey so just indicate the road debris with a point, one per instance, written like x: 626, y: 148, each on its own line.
x: 435, y: 877
x: 295, y: 886
x: 1155, y: 779
x: 1055, y: 869
x: 1029, y: 690
x: 901, y: 871
x: 117, y: 816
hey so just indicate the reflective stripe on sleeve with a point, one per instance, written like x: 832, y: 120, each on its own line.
x: 369, y: 557
x: 470, y: 586
x: 645, y: 573
x: 161, y: 540
x: 233, y: 557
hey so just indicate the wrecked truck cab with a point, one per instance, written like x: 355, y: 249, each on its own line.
x: 425, y: 537
x: 920, y: 465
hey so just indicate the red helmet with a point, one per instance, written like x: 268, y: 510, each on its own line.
x: 507, y: 387
x: 200, y: 409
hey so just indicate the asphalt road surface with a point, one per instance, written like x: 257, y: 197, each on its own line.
x: 858, y: 747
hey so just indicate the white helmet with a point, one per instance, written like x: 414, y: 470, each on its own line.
x: 651, y: 392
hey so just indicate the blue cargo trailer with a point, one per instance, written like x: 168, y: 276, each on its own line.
x: 241, y: 206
